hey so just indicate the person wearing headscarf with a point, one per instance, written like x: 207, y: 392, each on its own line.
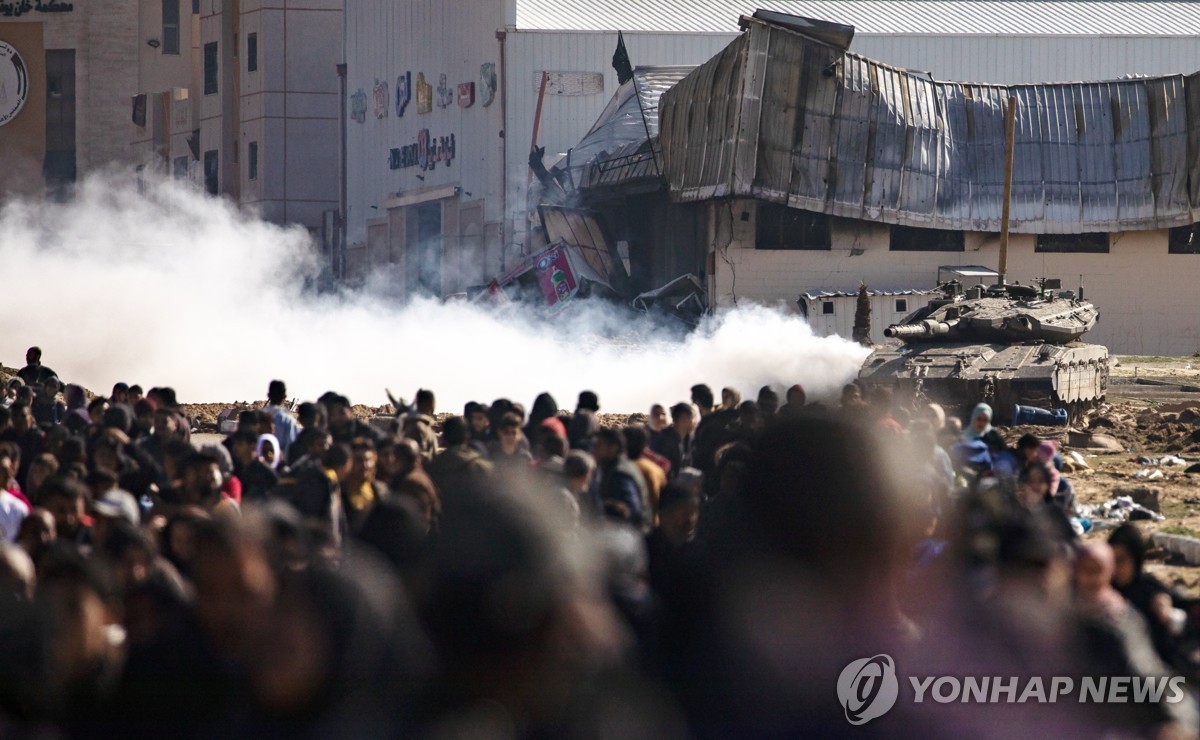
x: 981, y: 423
x: 980, y: 428
x: 267, y: 450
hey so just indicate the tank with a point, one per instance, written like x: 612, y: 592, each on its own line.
x: 1006, y: 345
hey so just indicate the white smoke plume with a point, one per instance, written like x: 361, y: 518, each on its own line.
x: 170, y: 287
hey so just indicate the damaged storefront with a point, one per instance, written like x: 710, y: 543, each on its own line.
x: 606, y: 204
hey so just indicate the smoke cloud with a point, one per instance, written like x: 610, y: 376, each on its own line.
x: 170, y: 287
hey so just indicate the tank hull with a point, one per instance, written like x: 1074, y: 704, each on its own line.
x: 958, y: 375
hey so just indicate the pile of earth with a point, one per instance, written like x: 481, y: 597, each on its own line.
x: 1171, y: 429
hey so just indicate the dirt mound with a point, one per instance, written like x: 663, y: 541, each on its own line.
x: 1151, y: 429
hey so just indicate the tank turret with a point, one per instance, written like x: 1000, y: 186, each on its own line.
x: 1006, y: 344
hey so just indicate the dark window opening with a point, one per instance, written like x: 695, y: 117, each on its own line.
x: 1184, y: 240
x: 1091, y: 243
x: 914, y: 239
x: 252, y: 52
x: 901, y: 305
x: 179, y: 168
x: 210, y: 68
x: 423, y: 248
x: 195, y: 7
x: 170, y: 26
x: 780, y: 227
x: 211, y: 166
x: 58, y: 166
x: 827, y: 307
x: 252, y: 160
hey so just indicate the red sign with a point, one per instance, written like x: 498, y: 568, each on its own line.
x: 555, y: 276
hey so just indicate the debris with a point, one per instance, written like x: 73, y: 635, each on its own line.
x: 1186, y: 547
x: 684, y: 298
x: 1093, y: 441
x: 1142, y: 496
x: 1121, y: 509
x: 1039, y: 417
x: 1077, y: 459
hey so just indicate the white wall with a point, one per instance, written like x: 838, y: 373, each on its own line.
x: 884, y: 313
x: 1146, y: 297
x: 385, y: 39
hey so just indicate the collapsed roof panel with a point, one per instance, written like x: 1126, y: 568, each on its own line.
x: 621, y: 145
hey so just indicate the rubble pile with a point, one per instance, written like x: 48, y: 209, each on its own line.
x: 1171, y: 431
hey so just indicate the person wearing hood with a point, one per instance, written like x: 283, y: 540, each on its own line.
x: 584, y: 424
x: 980, y: 428
x: 544, y: 407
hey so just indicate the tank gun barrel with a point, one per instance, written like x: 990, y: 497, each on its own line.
x: 927, y: 328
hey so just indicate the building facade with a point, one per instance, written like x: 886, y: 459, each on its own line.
x: 87, y: 84
x: 268, y: 97
x: 443, y: 99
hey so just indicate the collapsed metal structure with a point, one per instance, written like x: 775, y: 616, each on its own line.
x: 787, y: 117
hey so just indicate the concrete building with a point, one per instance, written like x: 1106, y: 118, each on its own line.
x: 86, y: 84
x: 268, y: 106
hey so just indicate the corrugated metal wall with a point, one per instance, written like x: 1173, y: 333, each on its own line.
x: 846, y: 135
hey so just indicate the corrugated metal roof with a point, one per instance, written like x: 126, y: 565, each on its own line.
x: 780, y: 117
x: 872, y: 16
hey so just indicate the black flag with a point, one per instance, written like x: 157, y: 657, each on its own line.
x: 621, y: 61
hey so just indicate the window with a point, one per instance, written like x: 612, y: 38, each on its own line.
x: 827, y: 307
x: 170, y: 26
x: 1184, y: 240
x: 913, y: 239
x: 179, y: 167
x: 252, y: 52
x: 1093, y: 243
x: 901, y: 305
x: 210, y: 68
x: 211, y: 165
x: 252, y: 160
x: 780, y: 227
x: 195, y: 7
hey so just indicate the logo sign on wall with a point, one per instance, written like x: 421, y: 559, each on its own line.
x: 14, y: 83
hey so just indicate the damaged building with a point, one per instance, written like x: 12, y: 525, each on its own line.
x: 801, y: 167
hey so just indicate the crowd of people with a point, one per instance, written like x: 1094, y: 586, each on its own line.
x: 704, y: 571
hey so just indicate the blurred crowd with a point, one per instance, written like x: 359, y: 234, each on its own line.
x: 706, y: 570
